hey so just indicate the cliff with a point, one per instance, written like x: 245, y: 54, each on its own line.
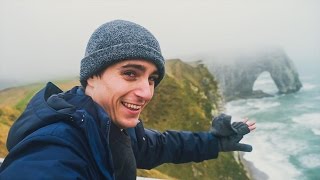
x: 236, y: 75
x: 185, y: 100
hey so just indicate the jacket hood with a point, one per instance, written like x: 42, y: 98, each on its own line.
x: 48, y: 106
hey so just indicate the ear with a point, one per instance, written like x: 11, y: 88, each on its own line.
x: 91, y: 81
x: 91, y: 84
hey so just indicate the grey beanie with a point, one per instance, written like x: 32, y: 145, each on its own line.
x: 120, y: 40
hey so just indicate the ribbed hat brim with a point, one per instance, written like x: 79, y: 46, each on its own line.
x: 103, y: 58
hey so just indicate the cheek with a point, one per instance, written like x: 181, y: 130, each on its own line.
x: 103, y: 94
x: 113, y: 95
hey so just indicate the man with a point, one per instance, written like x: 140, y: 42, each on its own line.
x: 94, y: 132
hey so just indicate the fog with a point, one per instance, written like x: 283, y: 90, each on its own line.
x: 41, y: 40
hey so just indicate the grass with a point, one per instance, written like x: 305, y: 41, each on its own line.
x: 21, y: 105
x: 184, y: 101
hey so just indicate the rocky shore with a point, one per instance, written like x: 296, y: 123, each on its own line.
x: 252, y: 172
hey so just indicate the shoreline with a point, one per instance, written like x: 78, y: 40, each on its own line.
x: 252, y: 172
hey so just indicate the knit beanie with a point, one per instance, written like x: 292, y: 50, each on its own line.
x: 116, y: 41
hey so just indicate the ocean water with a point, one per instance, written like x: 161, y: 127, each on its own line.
x: 286, y: 143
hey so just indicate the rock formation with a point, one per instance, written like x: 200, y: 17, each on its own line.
x: 237, y: 75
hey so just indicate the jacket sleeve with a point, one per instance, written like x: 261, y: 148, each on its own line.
x: 153, y: 148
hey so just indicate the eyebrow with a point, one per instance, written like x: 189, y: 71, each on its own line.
x: 138, y: 66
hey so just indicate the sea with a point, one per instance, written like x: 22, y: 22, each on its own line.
x: 286, y: 143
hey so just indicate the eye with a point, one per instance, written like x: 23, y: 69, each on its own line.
x: 153, y: 78
x: 131, y: 75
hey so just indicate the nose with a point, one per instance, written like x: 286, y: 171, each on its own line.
x: 144, y: 90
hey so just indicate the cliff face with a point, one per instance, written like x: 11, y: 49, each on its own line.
x: 236, y: 76
x: 184, y: 100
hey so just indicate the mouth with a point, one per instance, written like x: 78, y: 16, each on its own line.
x: 133, y: 107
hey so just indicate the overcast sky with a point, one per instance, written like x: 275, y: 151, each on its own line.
x: 40, y: 39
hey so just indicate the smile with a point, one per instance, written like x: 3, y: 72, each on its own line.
x: 132, y: 106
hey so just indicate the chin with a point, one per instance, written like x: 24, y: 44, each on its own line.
x: 131, y: 123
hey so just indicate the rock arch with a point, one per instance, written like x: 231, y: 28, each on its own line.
x: 237, y: 76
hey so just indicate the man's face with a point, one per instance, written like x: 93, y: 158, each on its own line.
x: 123, y: 90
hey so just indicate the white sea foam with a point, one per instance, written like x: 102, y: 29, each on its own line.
x: 270, y: 159
x: 316, y: 131
x: 272, y: 149
x: 252, y: 104
x: 310, y: 120
x: 310, y: 160
x: 246, y: 108
x: 272, y: 126
x: 304, y: 105
x: 237, y: 107
x: 287, y: 145
x: 262, y: 104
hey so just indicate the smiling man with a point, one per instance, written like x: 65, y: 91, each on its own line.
x: 123, y: 90
x: 94, y: 132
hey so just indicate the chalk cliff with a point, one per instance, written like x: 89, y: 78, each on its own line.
x: 236, y: 75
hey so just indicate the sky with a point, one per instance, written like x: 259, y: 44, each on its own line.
x: 45, y: 39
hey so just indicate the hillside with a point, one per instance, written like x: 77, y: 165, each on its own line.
x: 184, y: 100
x: 14, y: 100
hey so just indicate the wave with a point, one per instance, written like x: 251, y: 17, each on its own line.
x: 251, y: 106
x: 286, y: 141
x: 310, y: 121
x: 272, y: 126
x: 263, y: 105
x: 316, y: 131
x: 270, y: 158
x: 310, y: 160
x: 302, y: 106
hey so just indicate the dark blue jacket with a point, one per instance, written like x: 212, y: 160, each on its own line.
x: 65, y: 136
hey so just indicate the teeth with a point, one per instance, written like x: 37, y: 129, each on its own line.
x: 132, y: 106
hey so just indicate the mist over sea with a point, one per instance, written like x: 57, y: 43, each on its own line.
x: 286, y: 143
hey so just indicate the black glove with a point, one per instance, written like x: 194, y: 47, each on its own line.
x: 221, y: 126
x: 231, y: 143
x: 230, y: 135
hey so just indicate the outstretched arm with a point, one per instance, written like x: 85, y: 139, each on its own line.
x: 153, y: 148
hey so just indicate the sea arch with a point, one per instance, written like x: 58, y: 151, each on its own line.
x: 236, y: 78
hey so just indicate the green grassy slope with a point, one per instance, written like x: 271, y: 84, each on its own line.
x: 14, y: 100
x: 184, y: 100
